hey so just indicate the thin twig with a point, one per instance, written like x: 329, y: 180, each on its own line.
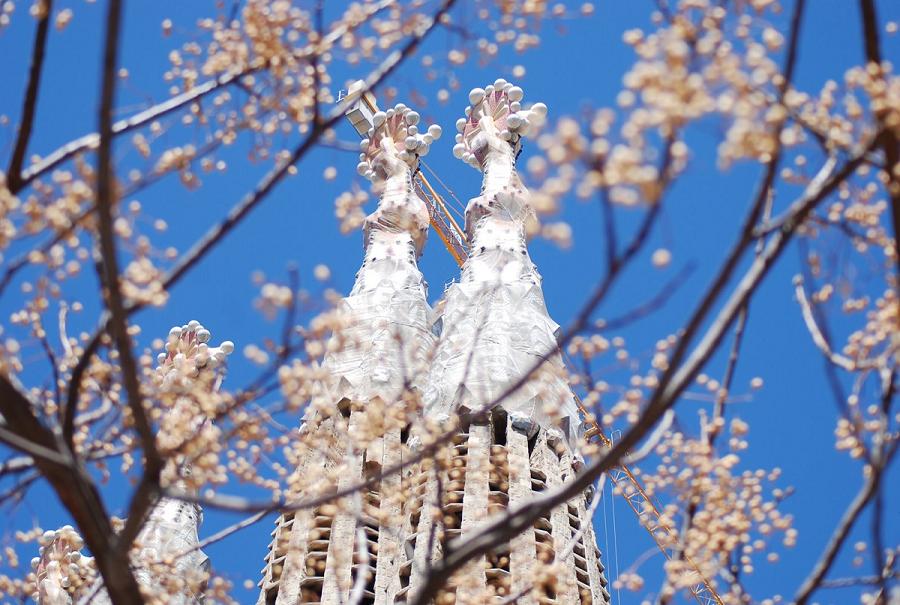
x: 643, y: 310
x: 819, y: 339
x: 223, y: 533
x: 652, y: 441
x: 92, y: 140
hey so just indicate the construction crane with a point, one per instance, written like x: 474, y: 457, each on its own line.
x: 360, y: 107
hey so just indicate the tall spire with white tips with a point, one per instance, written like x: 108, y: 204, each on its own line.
x: 167, y: 560
x: 373, y: 362
x: 496, y: 326
x: 496, y: 331
x: 387, y: 311
x: 171, y: 532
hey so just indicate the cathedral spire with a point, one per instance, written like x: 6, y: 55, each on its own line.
x: 375, y: 361
x: 387, y: 311
x: 495, y: 331
x: 169, y: 537
x: 497, y: 310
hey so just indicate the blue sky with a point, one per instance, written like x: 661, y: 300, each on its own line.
x: 791, y: 418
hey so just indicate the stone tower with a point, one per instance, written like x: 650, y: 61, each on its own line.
x: 167, y: 559
x: 317, y: 556
x: 494, y: 329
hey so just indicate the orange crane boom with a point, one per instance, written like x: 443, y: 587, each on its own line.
x: 361, y: 105
x: 648, y: 514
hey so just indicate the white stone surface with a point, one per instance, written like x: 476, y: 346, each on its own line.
x: 171, y: 531
x: 388, y: 336
x: 495, y: 323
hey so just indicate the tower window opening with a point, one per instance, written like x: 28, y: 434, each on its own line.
x: 497, y: 573
x: 581, y: 566
x: 316, y: 557
x: 499, y: 425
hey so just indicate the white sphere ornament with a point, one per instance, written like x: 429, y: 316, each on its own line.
x: 435, y: 131
x: 476, y: 95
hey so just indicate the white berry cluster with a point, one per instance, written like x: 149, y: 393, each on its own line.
x: 188, y: 351
x: 397, y: 132
x: 502, y: 102
x: 60, y: 568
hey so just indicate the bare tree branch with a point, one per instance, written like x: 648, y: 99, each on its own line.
x: 224, y: 533
x: 92, y: 140
x: 643, y: 310
x: 29, y: 104
x: 652, y: 441
x: 819, y: 339
x: 842, y: 530
x: 77, y: 492
x: 118, y: 321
